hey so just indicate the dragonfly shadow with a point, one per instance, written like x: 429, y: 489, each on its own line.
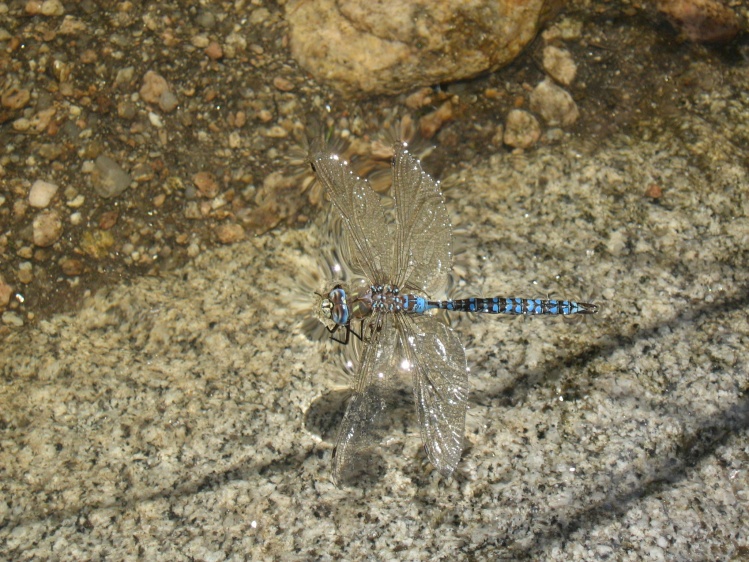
x: 365, y: 471
x: 660, y: 474
x: 324, y: 416
x: 632, y: 484
x: 325, y: 413
x: 288, y: 465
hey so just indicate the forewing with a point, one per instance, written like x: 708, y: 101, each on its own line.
x: 359, y: 207
x: 440, y: 387
x: 422, y: 232
x: 360, y: 428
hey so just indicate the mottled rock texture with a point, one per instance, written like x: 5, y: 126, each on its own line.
x: 392, y: 46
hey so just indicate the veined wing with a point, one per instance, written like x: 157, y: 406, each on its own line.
x: 359, y: 207
x: 438, y: 363
x: 360, y: 428
x: 422, y: 235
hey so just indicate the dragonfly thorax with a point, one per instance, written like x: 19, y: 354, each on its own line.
x: 386, y: 298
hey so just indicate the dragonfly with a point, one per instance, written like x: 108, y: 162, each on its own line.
x: 403, y: 253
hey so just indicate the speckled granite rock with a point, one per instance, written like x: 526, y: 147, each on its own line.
x: 170, y: 419
x: 359, y: 46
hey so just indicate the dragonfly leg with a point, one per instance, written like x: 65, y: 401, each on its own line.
x: 332, y: 331
x: 360, y: 335
x: 349, y: 331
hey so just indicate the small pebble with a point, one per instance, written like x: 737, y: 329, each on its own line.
x: 229, y: 233
x: 89, y: 56
x: 259, y: 16
x: 214, y: 51
x: 168, y: 102
x: 206, y: 183
x: 25, y: 272
x: 12, y: 319
x: 276, y: 132
x: 432, y: 122
x: 108, y: 219
x: 521, y: 129
x: 193, y: 250
x: 62, y: 70
x: 5, y: 293
x: 154, y: 85
x: 206, y: 20
x: 77, y: 201
x: 41, y: 193
x: 15, y: 98
x: 570, y: 29
x: 201, y: 41
x: 155, y: 120
x: 554, y: 135
x: 142, y: 172
x: 554, y: 104
x: 71, y: 267
x: 108, y: 178
x: 124, y: 75
x: 52, y: 8
x: 559, y: 65
x: 47, y: 228
x: 283, y: 84
x: 33, y: 7
x: 419, y: 98
x: 126, y: 109
x: 654, y: 191
x: 40, y: 121
x: 19, y: 208
x: 97, y: 243
x: 50, y: 151
x: 71, y: 26
x: 192, y: 210
x: 22, y: 124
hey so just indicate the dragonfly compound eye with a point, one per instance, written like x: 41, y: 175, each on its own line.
x: 340, y: 314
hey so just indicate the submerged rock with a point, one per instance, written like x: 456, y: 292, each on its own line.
x: 702, y: 21
x: 391, y: 46
x: 109, y: 178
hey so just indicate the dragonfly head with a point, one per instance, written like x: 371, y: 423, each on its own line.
x: 335, y: 306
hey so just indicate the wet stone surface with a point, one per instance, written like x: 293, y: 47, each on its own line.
x: 178, y: 410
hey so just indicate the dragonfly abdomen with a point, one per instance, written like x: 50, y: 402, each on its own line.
x: 515, y: 306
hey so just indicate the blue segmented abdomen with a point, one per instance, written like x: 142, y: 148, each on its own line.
x: 415, y: 304
x: 515, y: 306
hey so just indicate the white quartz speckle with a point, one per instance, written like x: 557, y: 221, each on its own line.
x: 41, y: 193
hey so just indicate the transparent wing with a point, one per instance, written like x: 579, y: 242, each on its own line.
x: 360, y: 428
x: 438, y: 363
x: 422, y: 235
x: 360, y: 209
